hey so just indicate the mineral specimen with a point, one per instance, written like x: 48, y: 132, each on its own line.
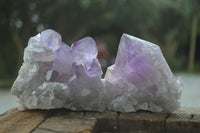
x: 141, y: 79
x: 55, y: 75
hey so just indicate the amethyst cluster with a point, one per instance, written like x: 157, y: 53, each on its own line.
x: 55, y: 75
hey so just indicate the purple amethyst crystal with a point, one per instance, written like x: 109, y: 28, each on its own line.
x: 141, y: 79
x: 51, y: 39
x: 60, y: 63
x: 85, y: 53
x: 55, y: 75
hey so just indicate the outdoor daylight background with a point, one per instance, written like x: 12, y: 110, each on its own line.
x: 174, y: 25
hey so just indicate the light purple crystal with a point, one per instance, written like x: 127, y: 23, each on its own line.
x: 55, y: 75
x: 141, y: 79
x: 85, y: 53
x: 51, y: 39
x: 60, y: 63
x: 84, y: 49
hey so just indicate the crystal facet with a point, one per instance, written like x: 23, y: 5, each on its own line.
x: 55, y: 75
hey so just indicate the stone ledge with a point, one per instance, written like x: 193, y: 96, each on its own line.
x: 185, y: 120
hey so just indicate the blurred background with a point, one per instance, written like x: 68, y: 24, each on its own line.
x: 174, y: 25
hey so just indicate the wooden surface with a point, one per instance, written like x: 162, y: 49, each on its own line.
x: 185, y: 120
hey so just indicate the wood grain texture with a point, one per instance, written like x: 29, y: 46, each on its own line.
x: 185, y: 120
x: 15, y: 121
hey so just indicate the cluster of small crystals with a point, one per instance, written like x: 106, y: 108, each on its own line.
x: 55, y: 75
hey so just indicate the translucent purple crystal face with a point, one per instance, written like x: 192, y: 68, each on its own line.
x: 55, y: 75
x: 60, y: 63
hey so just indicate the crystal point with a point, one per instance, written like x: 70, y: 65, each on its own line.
x: 141, y: 68
x: 51, y: 39
x: 85, y: 53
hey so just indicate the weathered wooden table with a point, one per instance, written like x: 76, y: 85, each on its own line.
x: 186, y: 120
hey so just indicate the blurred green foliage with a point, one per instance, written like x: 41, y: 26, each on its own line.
x: 164, y: 22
